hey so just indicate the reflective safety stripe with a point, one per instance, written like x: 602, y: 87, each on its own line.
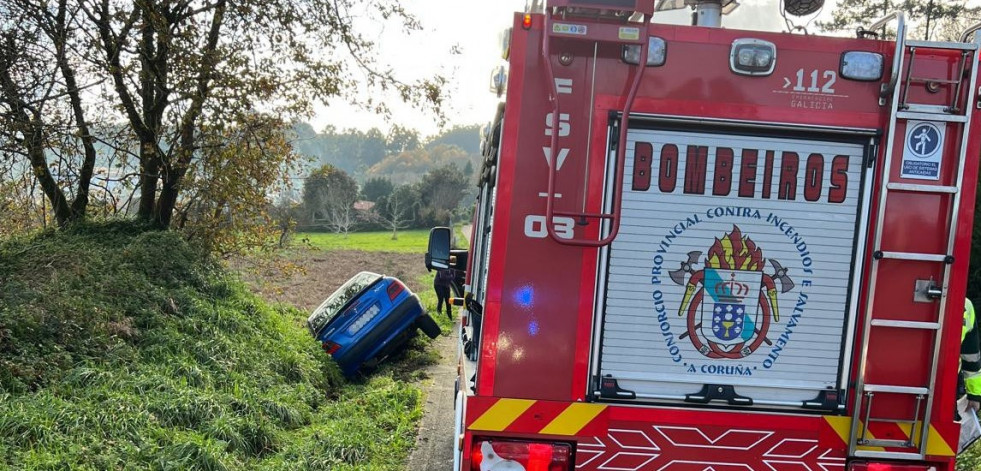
x: 968, y: 318
x: 527, y: 416
x: 972, y: 382
x: 975, y: 357
x: 573, y: 419
x: 501, y: 414
x: 936, y: 445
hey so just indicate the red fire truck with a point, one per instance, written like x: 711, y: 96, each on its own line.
x: 708, y: 249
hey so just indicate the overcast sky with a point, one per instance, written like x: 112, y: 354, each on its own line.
x: 473, y: 27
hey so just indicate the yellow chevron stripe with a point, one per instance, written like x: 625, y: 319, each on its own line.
x: 501, y: 414
x: 573, y: 419
x: 935, y: 443
x: 843, y: 427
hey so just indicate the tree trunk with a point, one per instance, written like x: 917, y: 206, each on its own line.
x: 169, y: 191
x: 176, y: 168
x: 34, y: 142
x: 149, y: 176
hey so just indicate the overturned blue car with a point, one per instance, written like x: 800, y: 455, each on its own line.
x: 367, y: 319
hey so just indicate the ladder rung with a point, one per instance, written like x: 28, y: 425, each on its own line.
x: 886, y: 443
x: 934, y: 80
x: 953, y: 118
x: 943, y: 45
x: 923, y: 257
x: 922, y: 188
x: 906, y: 324
x: 897, y: 455
x: 885, y: 388
x: 894, y: 421
x: 923, y: 108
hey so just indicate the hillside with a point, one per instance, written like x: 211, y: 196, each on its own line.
x: 125, y: 349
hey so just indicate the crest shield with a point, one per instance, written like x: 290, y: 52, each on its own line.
x: 730, y: 318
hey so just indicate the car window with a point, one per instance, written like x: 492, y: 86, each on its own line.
x: 336, y: 302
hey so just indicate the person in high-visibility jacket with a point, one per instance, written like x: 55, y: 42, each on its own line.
x: 971, y: 356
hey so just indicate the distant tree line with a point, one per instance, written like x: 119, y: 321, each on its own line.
x: 401, y: 155
x: 331, y: 200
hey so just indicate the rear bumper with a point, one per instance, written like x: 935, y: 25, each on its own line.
x: 365, y: 347
x: 611, y: 436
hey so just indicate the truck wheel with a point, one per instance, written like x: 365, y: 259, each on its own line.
x: 428, y: 326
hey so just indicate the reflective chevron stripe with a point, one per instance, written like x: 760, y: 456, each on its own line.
x: 936, y: 445
x: 521, y: 415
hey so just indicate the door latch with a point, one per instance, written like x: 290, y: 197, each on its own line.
x: 926, y: 291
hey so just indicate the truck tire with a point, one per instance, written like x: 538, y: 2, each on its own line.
x: 428, y: 326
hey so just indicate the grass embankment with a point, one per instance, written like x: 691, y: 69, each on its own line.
x: 124, y: 349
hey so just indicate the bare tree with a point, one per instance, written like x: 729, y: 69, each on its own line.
x: 42, y: 117
x: 284, y: 210
x: 397, y: 210
x: 341, y: 219
x: 328, y: 198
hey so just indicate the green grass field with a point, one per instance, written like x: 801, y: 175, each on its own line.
x: 414, y: 241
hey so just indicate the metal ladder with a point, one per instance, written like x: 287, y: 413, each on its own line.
x: 607, y: 219
x: 958, y: 112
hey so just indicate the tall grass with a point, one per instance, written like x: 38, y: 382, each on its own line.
x: 127, y: 349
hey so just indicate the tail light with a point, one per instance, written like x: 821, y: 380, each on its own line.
x: 520, y: 455
x: 330, y: 347
x: 889, y: 467
x: 395, y: 289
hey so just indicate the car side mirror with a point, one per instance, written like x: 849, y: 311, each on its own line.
x: 438, y: 255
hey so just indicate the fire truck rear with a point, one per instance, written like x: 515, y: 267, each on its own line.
x: 698, y: 248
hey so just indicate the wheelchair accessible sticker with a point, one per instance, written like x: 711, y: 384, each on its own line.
x: 923, y: 150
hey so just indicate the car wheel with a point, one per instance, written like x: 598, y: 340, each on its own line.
x: 428, y: 326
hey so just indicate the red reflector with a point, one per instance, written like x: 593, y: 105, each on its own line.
x: 394, y: 290
x: 889, y: 467
x: 531, y: 456
x: 526, y: 21
x: 330, y: 347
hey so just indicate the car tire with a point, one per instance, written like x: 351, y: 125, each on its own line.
x: 428, y: 326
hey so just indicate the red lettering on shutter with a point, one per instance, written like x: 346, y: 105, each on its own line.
x: 643, y: 152
x: 695, y: 163
x: 789, y: 165
x: 722, y: 184
x: 839, y: 179
x: 813, y: 176
x: 747, y: 173
x: 667, y: 175
x: 767, y: 173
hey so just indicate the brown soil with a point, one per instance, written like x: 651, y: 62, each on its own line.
x: 305, y: 277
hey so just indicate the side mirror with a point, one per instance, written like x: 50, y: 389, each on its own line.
x: 438, y: 255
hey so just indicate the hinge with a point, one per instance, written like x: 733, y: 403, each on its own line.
x: 609, y: 389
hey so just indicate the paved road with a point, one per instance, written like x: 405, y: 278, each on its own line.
x: 434, y: 444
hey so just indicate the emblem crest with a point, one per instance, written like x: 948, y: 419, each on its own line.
x: 730, y: 302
